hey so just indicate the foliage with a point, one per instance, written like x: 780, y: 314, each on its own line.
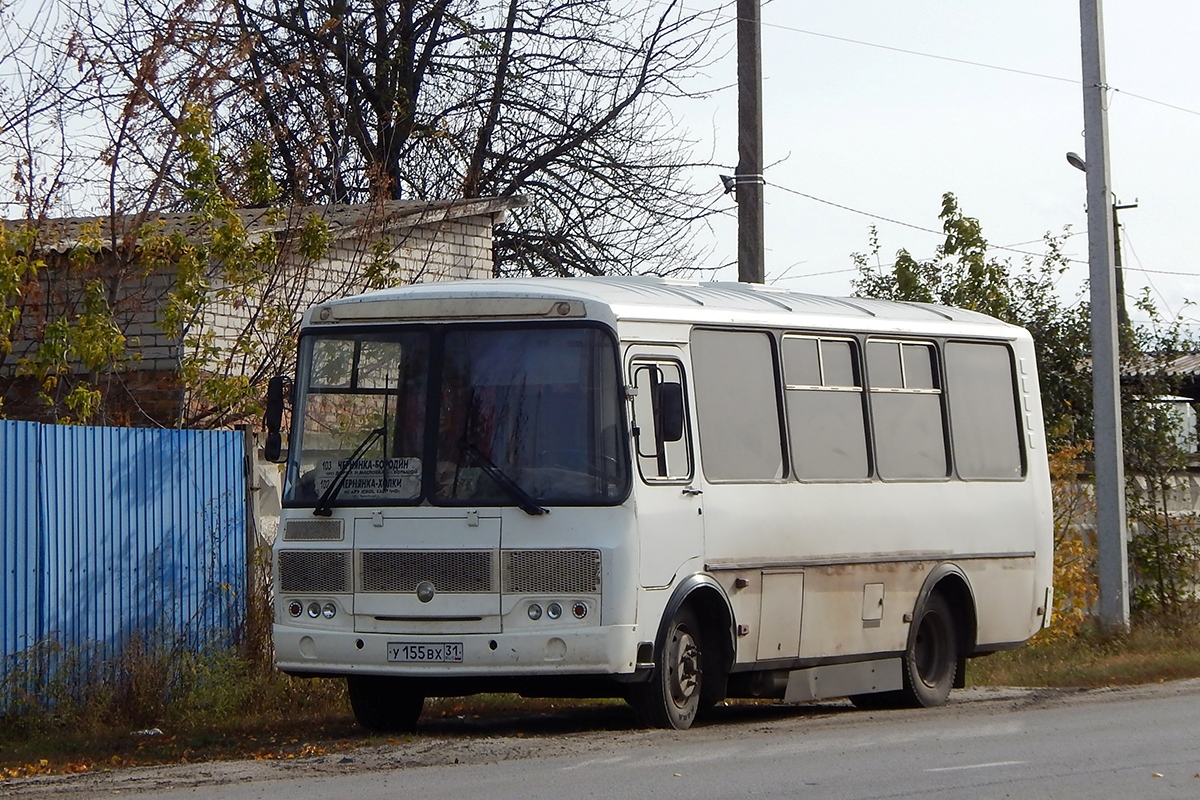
x: 16, y: 267
x: 963, y: 273
x: 1164, y: 550
x: 75, y: 314
x: 220, y: 266
x: 159, y: 678
x: 72, y: 348
x: 1075, y: 585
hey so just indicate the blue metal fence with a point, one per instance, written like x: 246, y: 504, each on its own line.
x: 112, y: 533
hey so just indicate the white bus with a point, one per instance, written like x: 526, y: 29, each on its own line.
x: 660, y: 490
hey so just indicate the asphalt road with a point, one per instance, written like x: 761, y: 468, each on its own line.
x: 1138, y: 742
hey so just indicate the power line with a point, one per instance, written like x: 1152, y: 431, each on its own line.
x: 1157, y: 102
x: 909, y: 224
x: 855, y: 210
x: 1165, y: 272
x: 950, y: 59
x: 921, y: 54
x: 1128, y: 241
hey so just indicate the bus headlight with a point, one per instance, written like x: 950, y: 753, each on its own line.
x: 534, y: 611
x: 314, y: 610
x: 328, y: 611
x: 554, y: 611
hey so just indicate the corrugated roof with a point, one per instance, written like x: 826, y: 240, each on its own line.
x: 1181, y: 366
x: 343, y: 220
x: 1187, y: 365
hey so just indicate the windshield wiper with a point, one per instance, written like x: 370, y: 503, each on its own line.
x: 524, y: 499
x: 325, y: 504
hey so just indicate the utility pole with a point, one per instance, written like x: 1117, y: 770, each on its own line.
x: 1106, y: 401
x: 748, y: 178
x: 1122, y: 314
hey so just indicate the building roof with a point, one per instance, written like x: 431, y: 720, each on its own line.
x: 343, y: 220
x: 1185, y: 369
x: 1185, y: 366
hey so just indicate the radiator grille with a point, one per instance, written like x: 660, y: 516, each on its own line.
x: 313, y: 530
x: 551, y: 571
x: 468, y: 571
x: 314, y: 571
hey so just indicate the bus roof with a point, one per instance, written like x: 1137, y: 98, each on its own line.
x: 646, y: 298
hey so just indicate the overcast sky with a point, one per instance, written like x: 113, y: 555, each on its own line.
x: 862, y: 125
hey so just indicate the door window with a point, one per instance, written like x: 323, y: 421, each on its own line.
x: 661, y: 455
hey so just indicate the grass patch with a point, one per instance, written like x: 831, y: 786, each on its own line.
x: 1152, y: 651
x: 70, y: 712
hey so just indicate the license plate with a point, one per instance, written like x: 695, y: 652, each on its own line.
x: 441, y: 653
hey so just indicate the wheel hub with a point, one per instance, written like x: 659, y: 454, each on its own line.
x: 686, y: 668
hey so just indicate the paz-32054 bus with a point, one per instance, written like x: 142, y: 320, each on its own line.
x: 666, y: 491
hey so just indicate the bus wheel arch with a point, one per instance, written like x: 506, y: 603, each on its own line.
x: 941, y: 635
x: 696, y: 631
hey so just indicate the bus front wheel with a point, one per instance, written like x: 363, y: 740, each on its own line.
x: 672, y: 696
x: 383, y: 704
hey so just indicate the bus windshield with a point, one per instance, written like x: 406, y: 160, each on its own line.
x: 471, y: 415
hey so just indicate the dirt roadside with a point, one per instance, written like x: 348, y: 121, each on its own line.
x: 573, y: 732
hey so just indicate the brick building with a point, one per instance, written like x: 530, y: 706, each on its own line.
x: 364, y: 246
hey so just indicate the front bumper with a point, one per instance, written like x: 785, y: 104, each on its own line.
x: 609, y: 650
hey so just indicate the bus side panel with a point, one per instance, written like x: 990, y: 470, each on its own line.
x: 866, y: 549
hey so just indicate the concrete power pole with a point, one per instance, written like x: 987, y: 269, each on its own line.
x: 1106, y: 399
x: 748, y: 177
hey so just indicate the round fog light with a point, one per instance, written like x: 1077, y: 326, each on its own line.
x: 328, y: 611
x: 314, y: 610
x: 554, y: 611
x: 579, y: 610
x: 295, y: 608
x: 535, y: 611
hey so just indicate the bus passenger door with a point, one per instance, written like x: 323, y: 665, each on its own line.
x: 667, y: 492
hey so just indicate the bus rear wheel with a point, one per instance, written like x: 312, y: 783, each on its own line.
x: 672, y: 696
x: 931, y: 660
x: 930, y: 663
x: 383, y: 704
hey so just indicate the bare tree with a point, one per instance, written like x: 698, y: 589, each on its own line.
x: 310, y: 102
x: 564, y: 101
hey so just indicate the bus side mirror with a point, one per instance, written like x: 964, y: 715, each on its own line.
x: 668, y: 405
x: 277, y: 395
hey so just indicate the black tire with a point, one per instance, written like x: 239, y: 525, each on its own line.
x: 383, y: 704
x: 672, y: 696
x: 931, y: 660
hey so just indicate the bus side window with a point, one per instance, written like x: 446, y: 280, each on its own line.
x: 660, y: 429
x: 906, y: 406
x: 825, y: 408
x: 984, y: 414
